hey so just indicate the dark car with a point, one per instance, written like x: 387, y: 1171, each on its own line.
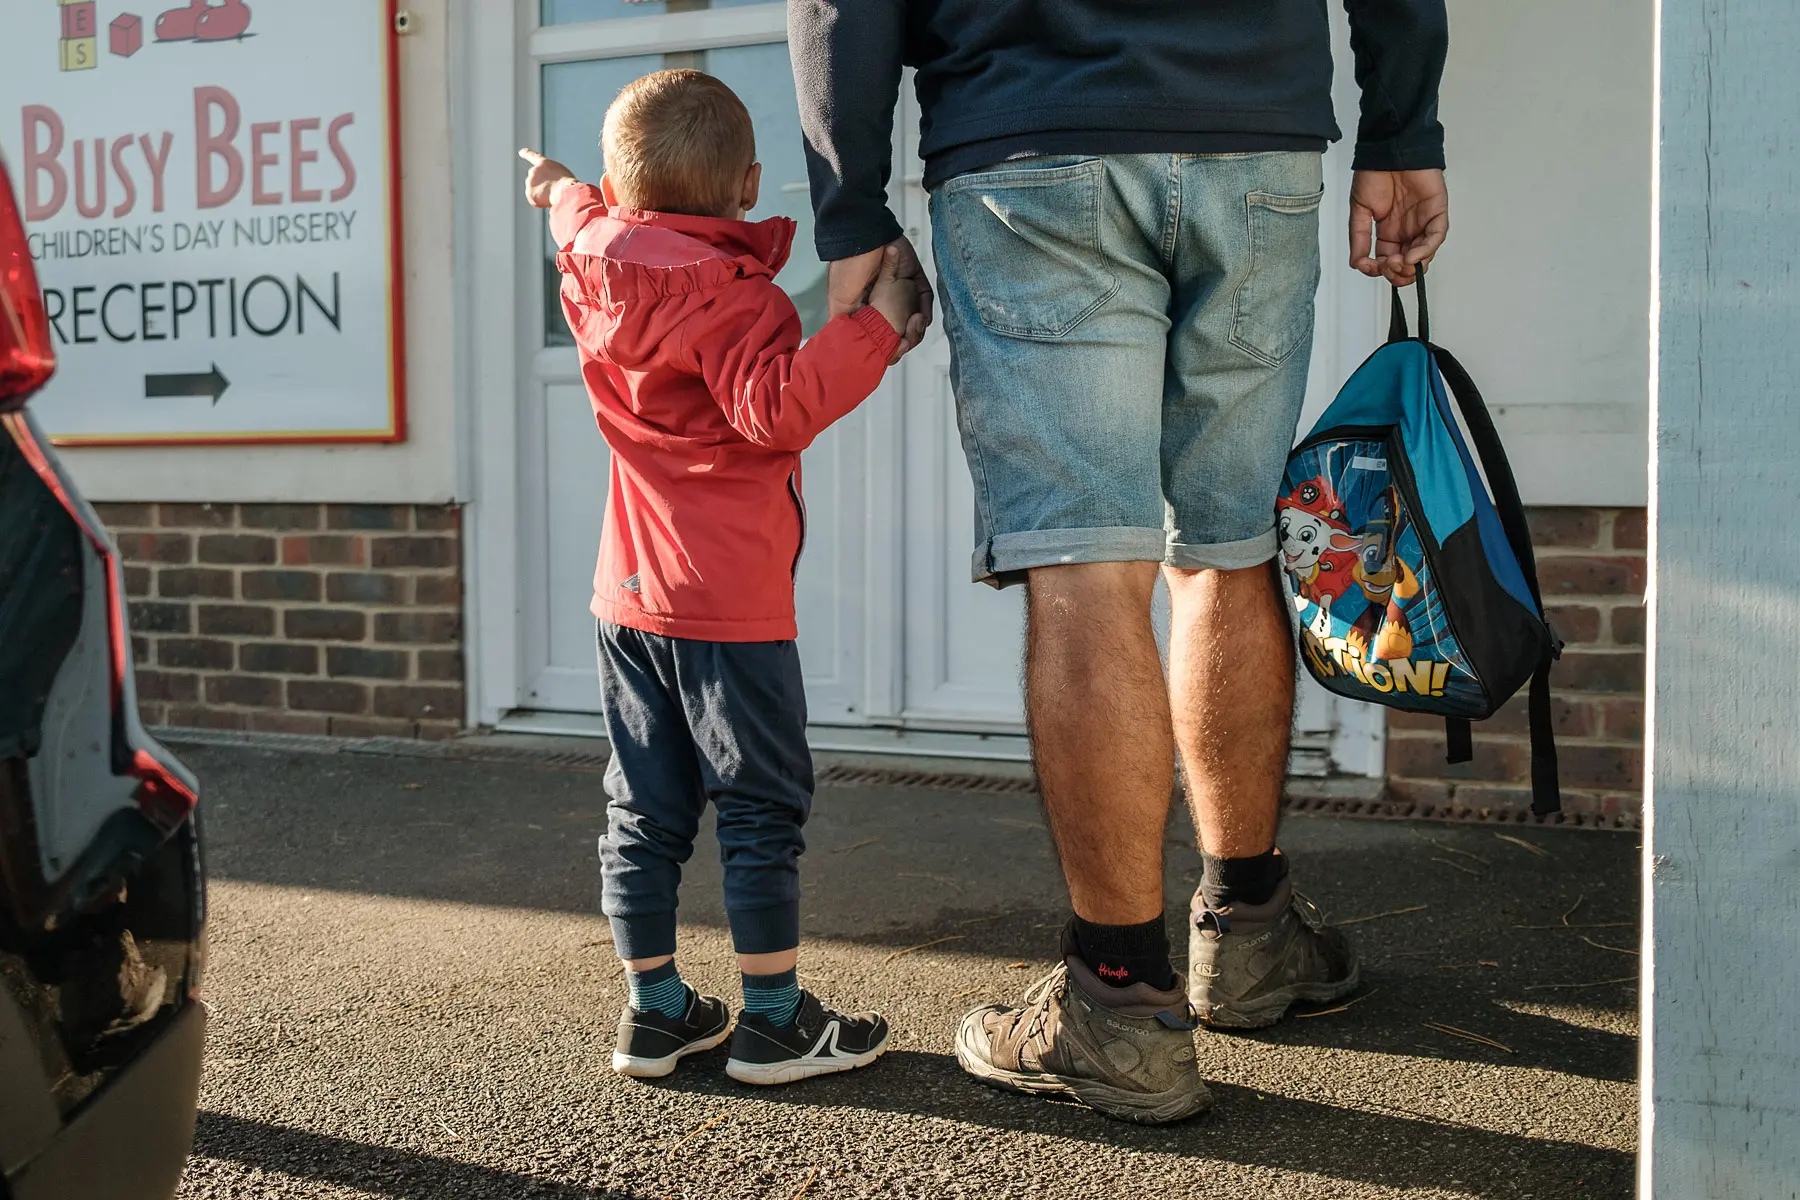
x: 102, y: 892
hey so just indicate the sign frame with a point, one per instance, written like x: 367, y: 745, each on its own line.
x: 396, y: 430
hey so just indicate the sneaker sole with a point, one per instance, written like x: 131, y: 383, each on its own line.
x: 1141, y: 1108
x: 1270, y: 1009
x: 794, y: 1069
x: 656, y: 1068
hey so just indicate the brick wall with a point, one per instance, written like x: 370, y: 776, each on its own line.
x: 295, y: 618
x: 1591, y: 564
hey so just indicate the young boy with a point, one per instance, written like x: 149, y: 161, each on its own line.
x: 693, y: 361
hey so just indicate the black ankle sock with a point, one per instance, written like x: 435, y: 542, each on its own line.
x: 1122, y: 955
x: 1228, y: 881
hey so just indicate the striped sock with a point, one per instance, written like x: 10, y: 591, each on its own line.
x: 776, y: 997
x: 659, y: 989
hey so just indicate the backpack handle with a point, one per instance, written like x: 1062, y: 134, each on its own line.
x: 1397, y: 323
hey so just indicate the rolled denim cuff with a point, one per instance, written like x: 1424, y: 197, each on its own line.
x: 1003, y: 560
x: 1224, y: 556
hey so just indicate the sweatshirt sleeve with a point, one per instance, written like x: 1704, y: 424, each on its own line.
x: 847, y: 56
x: 780, y: 394
x: 575, y: 206
x: 1399, y: 47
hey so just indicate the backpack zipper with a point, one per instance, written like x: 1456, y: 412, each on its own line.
x: 1408, y: 487
x: 1340, y: 433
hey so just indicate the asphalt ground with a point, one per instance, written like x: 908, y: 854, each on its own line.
x: 413, y: 996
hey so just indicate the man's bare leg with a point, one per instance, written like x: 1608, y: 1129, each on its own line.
x: 1099, y: 713
x: 1253, y: 951
x: 1112, y: 1027
x: 1231, y: 685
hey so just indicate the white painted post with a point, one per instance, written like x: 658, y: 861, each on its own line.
x: 1721, y: 1001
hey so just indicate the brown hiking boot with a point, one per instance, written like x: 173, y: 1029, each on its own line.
x: 1248, y: 965
x: 1126, y: 1052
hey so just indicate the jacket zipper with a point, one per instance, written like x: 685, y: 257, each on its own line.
x: 800, y: 509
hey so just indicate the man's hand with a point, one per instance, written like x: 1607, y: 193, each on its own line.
x: 545, y: 180
x: 1406, y: 217
x: 848, y: 280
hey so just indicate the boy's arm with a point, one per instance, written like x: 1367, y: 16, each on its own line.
x: 776, y: 392
x: 572, y: 206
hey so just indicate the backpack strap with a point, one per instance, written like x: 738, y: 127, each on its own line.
x: 1397, y: 331
x: 1545, y: 793
x: 1459, y: 742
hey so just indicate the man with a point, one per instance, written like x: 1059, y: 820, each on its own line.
x: 1125, y: 216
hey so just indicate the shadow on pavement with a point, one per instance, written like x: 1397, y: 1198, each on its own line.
x: 1458, y: 927
x: 1532, y: 1041
x: 1466, y: 927
x: 1388, y: 1147
x: 374, y: 1170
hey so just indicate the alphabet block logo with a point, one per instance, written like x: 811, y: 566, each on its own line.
x: 78, y: 20
x: 126, y: 34
x: 79, y: 48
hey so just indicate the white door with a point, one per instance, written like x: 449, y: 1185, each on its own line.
x: 893, y: 633
x: 962, y: 640
x: 583, y: 54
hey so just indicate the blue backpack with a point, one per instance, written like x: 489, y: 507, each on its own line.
x: 1411, y: 587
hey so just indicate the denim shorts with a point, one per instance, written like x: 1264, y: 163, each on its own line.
x: 1129, y: 340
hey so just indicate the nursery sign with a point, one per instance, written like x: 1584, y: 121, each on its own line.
x: 211, y: 200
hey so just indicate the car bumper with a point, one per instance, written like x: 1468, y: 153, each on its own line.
x: 131, y: 1141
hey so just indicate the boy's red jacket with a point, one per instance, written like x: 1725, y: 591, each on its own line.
x: 693, y: 361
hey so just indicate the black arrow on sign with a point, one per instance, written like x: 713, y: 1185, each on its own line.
x: 212, y: 384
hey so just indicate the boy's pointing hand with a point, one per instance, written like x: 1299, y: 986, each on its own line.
x: 544, y: 180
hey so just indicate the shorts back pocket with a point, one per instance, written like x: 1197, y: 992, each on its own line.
x: 1273, y: 312
x: 1026, y: 243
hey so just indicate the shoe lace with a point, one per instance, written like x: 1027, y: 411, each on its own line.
x: 1039, y: 994
x: 827, y: 1012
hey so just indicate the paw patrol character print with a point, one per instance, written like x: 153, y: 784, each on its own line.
x: 1310, y: 521
x: 1383, y: 630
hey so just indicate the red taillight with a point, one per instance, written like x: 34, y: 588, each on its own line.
x: 26, y: 359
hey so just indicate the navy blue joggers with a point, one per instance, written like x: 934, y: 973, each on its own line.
x: 694, y: 721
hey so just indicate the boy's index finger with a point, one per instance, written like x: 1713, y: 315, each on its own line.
x: 531, y: 156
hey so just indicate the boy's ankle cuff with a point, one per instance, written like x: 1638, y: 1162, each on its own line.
x: 643, y: 935
x: 765, y: 930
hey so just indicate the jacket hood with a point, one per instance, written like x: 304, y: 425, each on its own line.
x: 643, y: 272
x: 670, y: 253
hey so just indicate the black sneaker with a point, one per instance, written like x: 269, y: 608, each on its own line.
x: 650, y: 1044
x: 821, y: 1041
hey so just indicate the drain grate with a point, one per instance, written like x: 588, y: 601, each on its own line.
x: 1360, y: 807
x: 1460, y: 814
x: 937, y: 781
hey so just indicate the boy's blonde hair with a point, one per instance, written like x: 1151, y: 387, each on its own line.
x: 678, y: 141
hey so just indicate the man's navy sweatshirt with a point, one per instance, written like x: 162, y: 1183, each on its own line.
x: 1002, y: 79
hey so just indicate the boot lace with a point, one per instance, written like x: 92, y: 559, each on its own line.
x: 1038, y: 998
